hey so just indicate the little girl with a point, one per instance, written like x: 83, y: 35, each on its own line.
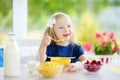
x: 58, y: 41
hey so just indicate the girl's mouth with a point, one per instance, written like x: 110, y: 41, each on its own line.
x: 66, y: 35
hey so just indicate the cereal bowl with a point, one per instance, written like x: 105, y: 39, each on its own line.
x: 62, y: 60
x: 50, y: 69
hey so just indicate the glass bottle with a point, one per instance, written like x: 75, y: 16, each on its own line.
x: 12, y: 57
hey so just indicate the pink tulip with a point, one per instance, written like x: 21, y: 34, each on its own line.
x: 111, y: 36
x: 98, y: 35
x: 88, y: 46
x: 113, y: 40
x: 115, y: 49
x: 103, y: 43
x: 104, y: 33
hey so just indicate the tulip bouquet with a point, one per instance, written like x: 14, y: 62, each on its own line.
x: 105, y: 44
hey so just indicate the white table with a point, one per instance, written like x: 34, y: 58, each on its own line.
x: 103, y: 74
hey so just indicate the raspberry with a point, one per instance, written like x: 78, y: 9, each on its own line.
x: 87, y: 62
x: 99, y: 63
x: 94, y: 62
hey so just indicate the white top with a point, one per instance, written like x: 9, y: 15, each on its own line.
x: 103, y: 74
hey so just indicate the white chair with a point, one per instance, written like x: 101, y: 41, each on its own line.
x: 28, y: 49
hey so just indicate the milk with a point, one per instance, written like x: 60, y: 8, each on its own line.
x: 32, y: 66
x: 12, y: 58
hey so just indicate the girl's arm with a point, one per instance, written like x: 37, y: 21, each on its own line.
x: 43, y: 47
x: 42, y: 53
x: 82, y: 59
x: 78, y: 65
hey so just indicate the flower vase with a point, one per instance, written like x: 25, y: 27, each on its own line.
x: 105, y: 59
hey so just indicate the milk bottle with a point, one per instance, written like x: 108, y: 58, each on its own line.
x: 12, y: 57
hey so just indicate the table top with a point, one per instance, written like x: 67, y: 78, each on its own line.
x: 103, y: 74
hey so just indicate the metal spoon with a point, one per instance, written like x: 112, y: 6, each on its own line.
x: 59, y: 40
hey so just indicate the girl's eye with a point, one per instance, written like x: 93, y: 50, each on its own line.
x: 60, y: 27
x: 69, y: 26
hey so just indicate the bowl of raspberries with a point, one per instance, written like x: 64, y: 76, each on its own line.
x: 92, y: 66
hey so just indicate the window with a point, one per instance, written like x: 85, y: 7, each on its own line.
x: 5, y: 19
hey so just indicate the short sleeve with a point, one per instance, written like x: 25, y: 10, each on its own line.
x: 78, y: 50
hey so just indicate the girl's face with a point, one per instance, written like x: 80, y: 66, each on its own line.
x: 63, y: 28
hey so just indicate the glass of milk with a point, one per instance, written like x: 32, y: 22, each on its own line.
x: 32, y: 66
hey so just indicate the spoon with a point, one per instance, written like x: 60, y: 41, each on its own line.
x: 59, y: 40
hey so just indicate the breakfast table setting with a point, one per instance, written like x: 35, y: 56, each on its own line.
x: 103, y: 74
x: 32, y: 71
x: 25, y: 74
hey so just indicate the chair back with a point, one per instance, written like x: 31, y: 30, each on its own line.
x: 28, y: 49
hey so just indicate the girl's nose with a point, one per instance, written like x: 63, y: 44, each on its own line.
x: 66, y: 29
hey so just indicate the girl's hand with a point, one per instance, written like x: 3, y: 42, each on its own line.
x: 75, y: 67
x: 46, y: 40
